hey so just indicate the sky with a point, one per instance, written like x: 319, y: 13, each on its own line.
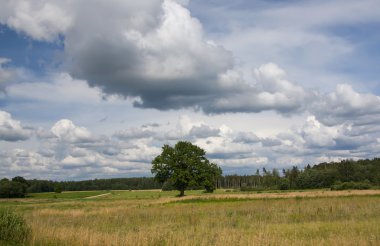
x: 94, y: 89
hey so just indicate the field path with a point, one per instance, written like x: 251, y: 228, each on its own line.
x: 90, y: 197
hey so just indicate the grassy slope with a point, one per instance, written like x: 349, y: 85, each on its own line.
x: 158, y: 218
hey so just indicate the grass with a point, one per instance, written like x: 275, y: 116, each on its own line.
x: 160, y: 218
x: 66, y: 195
x: 13, y: 229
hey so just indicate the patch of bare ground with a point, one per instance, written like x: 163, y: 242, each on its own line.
x: 90, y: 197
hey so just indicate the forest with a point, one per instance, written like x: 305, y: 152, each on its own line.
x: 346, y: 174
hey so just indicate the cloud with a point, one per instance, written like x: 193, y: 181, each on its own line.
x: 158, y: 55
x: 155, y: 53
x: 269, y: 91
x: 203, y: 131
x: 134, y: 133
x: 166, y: 65
x: 11, y: 130
x: 66, y: 131
x: 246, y: 137
x: 345, y: 104
x: 5, y: 74
x: 54, y: 88
x: 73, y: 152
x: 41, y: 20
x: 8, y: 74
x: 316, y: 134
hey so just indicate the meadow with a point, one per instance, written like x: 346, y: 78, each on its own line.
x: 154, y: 217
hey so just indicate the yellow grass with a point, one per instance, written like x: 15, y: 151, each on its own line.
x: 303, y: 218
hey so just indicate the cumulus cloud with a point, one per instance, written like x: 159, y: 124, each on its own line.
x: 71, y: 151
x: 42, y: 20
x: 65, y: 130
x: 11, y: 129
x: 154, y: 52
x: 345, y: 104
x: 316, y: 134
x: 157, y: 53
x: 269, y: 91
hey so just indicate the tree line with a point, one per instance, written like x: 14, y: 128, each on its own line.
x: 346, y: 174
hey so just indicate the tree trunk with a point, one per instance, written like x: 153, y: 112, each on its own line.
x: 182, y: 192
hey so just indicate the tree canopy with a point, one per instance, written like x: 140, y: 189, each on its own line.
x: 185, y: 165
x: 17, y: 187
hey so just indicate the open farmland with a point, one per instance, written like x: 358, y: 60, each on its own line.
x: 224, y: 218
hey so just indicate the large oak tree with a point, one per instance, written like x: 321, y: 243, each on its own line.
x: 185, y: 165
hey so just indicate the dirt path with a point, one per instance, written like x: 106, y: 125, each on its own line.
x: 89, y: 197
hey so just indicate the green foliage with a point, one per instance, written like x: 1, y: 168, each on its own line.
x: 351, y: 186
x: 168, y: 186
x: 283, y: 184
x: 14, y: 188
x: 314, y: 179
x: 248, y: 188
x: 323, y: 175
x: 139, y: 183
x: 58, y: 188
x: 13, y: 229
x: 185, y: 165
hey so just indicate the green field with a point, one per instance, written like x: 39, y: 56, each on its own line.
x: 225, y: 218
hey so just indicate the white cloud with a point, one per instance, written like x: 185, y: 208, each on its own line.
x: 317, y: 135
x: 155, y: 53
x: 42, y: 20
x: 134, y: 133
x: 347, y: 105
x: 203, y: 131
x: 11, y: 130
x: 65, y: 130
x: 55, y: 88
x: 73, y: 152
x: 8, y: 74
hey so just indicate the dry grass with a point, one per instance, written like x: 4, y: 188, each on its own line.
x: 304, y: 218
x: 282, y: 195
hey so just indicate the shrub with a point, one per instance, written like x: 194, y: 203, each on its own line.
x: 58, y: 188
x: 13, y: 228
x: 248, y: 188
x: 283, y: 184
x: 351, y: 186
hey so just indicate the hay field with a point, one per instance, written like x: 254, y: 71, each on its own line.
x: 224, y: 218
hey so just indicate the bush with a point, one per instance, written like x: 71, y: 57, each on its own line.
x: 283, y: 184
x: 351, y: 186
x: 13, y: 229
x: 248, y: 188
x: 57, y: 188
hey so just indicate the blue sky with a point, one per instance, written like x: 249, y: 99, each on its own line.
x: 94, y: 90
